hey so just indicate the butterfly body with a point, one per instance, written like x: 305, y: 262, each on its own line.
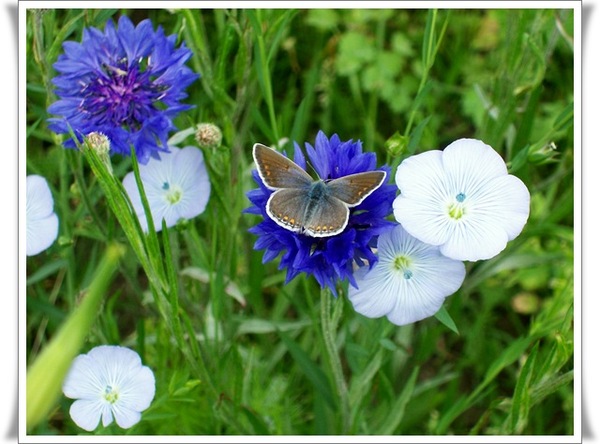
x: 316, y: 208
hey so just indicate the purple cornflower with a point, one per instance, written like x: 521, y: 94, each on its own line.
x: 328, y: 259
x: 126, y: 83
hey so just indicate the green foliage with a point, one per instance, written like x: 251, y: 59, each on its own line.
x: 233, y: 349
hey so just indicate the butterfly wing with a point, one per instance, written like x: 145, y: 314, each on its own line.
x: 287, y: 208
x: 277, y: 171
x: 355, y: 188
x: 328, y: 218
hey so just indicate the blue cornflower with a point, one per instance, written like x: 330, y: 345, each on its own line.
x: 126, y: 83
x: 328, y: 259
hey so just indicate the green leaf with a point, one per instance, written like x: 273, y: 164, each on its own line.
x: 362, y: 384
x: 507, y: 357
x: 258, y: 424
x: 310, y: 369
x: 417, y: 133
x: 265, y: 326
x: 521, y: 402
x: 444, y: 317
x: 397, y: 411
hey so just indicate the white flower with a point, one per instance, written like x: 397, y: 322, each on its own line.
x: 108, y: 381
x: 42, y: 222
x: 408, y: 283
x: 462, y: 199
x: 177, y: 187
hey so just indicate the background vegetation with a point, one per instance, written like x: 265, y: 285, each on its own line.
x: 241, y: 353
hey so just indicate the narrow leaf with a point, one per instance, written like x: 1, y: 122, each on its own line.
x: 313, y: 372
x: 397, y: 410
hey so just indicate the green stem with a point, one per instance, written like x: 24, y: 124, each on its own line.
x: 46, y: 374
x: 264, y: 72
x: 328, y: 326
x: 429, y: 50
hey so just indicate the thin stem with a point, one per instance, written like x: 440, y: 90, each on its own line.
x: 328, y: 326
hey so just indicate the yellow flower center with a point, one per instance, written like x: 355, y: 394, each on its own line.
x: 173, y: 194
x: 111, y: 394
x: 457, y: 208
x: 402, y: 264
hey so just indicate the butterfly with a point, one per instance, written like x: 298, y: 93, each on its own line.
x: 316, y: 208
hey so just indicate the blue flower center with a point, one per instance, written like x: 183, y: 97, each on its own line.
x: 121, y: 96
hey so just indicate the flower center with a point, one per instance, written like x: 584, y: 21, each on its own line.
x: 120, y: 95
x: 402, y: 264
x: 173, y: 194
x: 111, y: 394
x: 457, y: 208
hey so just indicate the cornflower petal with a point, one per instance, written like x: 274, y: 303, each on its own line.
x: 461, y: 199
x: 126, y: 82
x: 409, y: 282
x: 328, y: 259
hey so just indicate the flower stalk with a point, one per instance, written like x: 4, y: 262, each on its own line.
x: 329, y: 322
x: 45, y: 375
x: 158, y: 268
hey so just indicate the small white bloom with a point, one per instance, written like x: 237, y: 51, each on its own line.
x: 42, y: 222
x: 177, y: 187
x: 108, y: 381
x: 462, y: 199
x: 408, y: 283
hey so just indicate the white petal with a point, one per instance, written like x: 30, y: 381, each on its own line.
x: 39, y: 199
x: 423, y: 191
x: 471, y: 161
x: 498, y: 213
x: 137, y: 389
x: 104, y: 366
x: 424, y: 219
x: 113, y: 361
x: 134, y: 195
x: 84, y: 379
x: 162, y: 210
x: 123, y: 369
x: 422, y: 176
x: 133, y: 192
x: 508, y: 199
x: 41, y: 221
x: 86, y: 413
x: 492, y: 209
x: 107, y: 414
x: 183, y: 169
x: 406, y: 298
x: 187, y: 163
x: 157, y: 172
x: 41, y: 234
x: 126, y: 417
x: 434, y: 278
x: 375, y: 296
x: 194, y: 181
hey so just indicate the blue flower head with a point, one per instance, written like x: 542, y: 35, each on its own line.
x: 126, y: 83
x: 328, y: 259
